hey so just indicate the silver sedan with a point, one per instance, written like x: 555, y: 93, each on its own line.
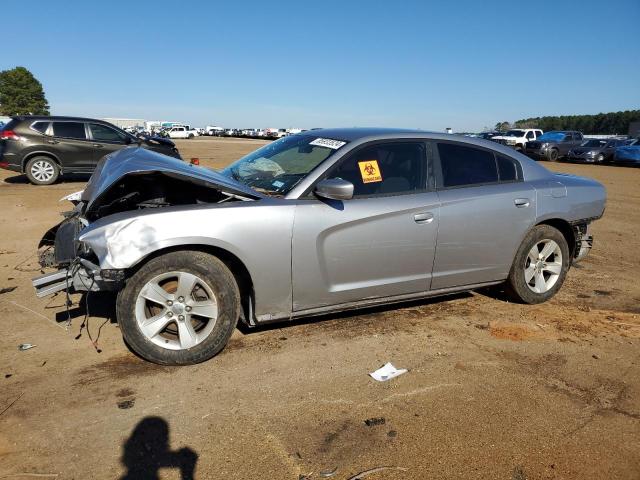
x: 318, y: 222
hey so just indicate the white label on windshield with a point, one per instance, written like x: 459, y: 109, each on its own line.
x: 327, y: 142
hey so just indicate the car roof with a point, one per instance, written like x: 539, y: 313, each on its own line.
x: 358, y: 133
x: 53, y: 118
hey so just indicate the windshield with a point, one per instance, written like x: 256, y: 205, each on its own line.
x: 514, y: 133
x: 551, y: 137
x: 278, y: 167
x: 594, y: 143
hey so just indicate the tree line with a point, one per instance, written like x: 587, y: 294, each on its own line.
x: 602, y: 123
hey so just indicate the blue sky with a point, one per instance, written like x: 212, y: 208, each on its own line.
x: 420, y: 64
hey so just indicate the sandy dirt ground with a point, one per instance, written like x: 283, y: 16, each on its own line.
x: 494, y: 389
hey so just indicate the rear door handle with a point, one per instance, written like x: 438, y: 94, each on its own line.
x: 521, y: 202
x: 97, y: 145
x: 426, y: 217
x: 52, y: 142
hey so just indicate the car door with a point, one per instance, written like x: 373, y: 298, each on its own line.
x: 72, y: 146
x: 566, y: 144
x: 380, y: 243
x: 485, y: 211
x: 105, y: 140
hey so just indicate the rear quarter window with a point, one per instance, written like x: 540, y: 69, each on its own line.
x: 40, y: 126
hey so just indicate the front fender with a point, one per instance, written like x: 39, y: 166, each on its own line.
x: 257, y: 233
x: 123, y: 244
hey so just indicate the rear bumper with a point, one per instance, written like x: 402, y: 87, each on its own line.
x: 10, y: 161
x: 584, y: 242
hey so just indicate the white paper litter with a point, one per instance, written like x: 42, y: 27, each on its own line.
x: 387, y: 372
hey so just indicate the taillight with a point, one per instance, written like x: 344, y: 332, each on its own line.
x: 9, y: 135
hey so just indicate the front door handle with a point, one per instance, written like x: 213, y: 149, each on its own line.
x: 97, y: 145
x: 521, y: 202
x: 52, y: 142
x: 426, y: 217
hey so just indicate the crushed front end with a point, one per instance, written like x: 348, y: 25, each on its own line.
x: 77, y: 269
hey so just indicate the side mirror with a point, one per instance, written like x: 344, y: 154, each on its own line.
x: 127, y: 140
x: 334, y: 189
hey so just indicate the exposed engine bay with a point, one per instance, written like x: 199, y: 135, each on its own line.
x: 153, y: 190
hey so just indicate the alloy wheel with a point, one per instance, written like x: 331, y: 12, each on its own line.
x: 543, y: 266
x: 42, y: 171
x: 176, y: 310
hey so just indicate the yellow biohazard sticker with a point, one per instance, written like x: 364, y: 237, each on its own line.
x: 370, y: 171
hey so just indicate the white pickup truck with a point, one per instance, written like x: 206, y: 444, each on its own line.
x: 182, y: 132
x: 518, y: 137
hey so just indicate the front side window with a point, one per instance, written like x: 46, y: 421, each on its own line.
x: 384, y: 169
x: 69, y: 130
x: 279, y: 166
x: 102, y: 133
x: 530, y: 135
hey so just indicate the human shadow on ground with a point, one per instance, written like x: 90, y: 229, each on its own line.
x: 147, y: 450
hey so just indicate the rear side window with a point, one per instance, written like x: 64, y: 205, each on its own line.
x: 69, y: 130
x: 462, y: 165
x: 102, y: 133
x: 40, y: 126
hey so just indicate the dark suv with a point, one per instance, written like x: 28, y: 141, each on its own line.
x: 553, y: 145
x: 43, y: 148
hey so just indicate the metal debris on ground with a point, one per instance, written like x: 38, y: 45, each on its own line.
x: 366, y: 473
x: 11, y: 404
x: 328, y: 473
x: 371, y: 422
x: 26, y: 346
x: 387, y: 372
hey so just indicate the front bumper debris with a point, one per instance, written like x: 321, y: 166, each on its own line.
x: 51, y: 283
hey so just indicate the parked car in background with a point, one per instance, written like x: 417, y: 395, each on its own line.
x: 489, y: 135
x: 180, y: 132
x: 594, y: 150
x: 554, y: 145
x: 517, y: 137
x: 628, y: 154
x: 344, y: 219
x: 44, y: 148
x: 213, y: 130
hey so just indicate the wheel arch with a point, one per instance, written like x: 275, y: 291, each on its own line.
x: 565, y: 228
x: 30, y: 155
x: 235, y: 265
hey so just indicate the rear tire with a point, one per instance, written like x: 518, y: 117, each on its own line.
x: 166, y: 308
x: 42, y: 171
x: 540, y: 266
x: 552, y: 156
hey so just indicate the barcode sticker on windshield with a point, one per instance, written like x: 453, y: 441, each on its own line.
x: 327, y: 142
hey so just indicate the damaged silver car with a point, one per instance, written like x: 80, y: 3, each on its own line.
x: 318, y: 222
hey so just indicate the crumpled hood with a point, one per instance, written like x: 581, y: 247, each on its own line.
x: 138, y: 161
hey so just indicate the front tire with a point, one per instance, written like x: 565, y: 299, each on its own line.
x: 540, y: 266
x: 42, y: 171
x: 552, y: 156
x: 179, y: 308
